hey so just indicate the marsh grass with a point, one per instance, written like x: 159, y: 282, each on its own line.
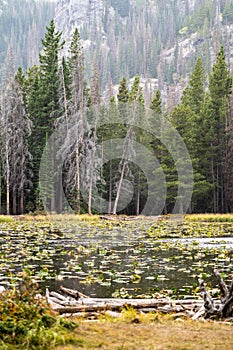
x: 209, y: 217
x: 73, y: 218
x: 62, y: 218
x: 5, y: 219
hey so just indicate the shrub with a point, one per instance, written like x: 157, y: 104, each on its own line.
x: 26, y: 320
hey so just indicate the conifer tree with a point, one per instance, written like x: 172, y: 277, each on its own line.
x: 156, y: 103
x: 44, y: 109
x: 229, y: 158
x: 194, y: 94
x: 219, y: 87
x: 123, y: 97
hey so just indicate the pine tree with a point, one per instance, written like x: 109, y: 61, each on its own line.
x: 49, y: 74
x: 194, y: 94
x: 131, y: 110
x: 123, y: 97
x: 156, y: 103
x: 45, y: 109
x: 137, y: 117
x: 219, y: 87
x: 229, y: 157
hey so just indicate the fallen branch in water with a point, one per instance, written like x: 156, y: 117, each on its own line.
x: 218, y: 309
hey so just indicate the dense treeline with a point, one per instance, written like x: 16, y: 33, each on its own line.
x: 22, y: 23
x: 94, y: 154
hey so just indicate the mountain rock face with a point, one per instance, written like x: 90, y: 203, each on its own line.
x: 159, y: 40
x: 71, y: 14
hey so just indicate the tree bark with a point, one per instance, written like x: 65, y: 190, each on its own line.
x: 114, y: 211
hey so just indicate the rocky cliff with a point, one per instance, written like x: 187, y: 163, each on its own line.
x: 158, y: 39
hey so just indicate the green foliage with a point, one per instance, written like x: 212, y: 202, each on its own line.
x: 43, y: 97
x: 156, y: 103
x: 26, y: 321
x: 56, y: 90
x: 193, y: 95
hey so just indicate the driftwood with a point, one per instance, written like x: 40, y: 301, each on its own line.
x: 77, y: 303
x: 119, y: 218
x: 222, y: 308
x: 73, y: 293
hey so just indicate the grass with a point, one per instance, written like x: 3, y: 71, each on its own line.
x: 63, y: 218
x: 96, y: 218
x: 27, y: 323
x: 209, y: 217
x: 5, y: 219
x: 149, y: 333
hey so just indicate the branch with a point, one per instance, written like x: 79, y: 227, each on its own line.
x: 223, y: 287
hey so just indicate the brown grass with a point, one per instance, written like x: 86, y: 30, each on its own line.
x: 160, y: 334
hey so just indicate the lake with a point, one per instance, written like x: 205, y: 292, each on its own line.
x: 121, y: 259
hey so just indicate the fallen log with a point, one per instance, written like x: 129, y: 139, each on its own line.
x: 76, y: 302
x: 222, y: 308
x: 119, y: 218
x: 73, y: 293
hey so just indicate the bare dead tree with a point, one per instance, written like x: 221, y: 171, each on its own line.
x: 74, y: 121
x: 95, y: 102
x: 16, y: 128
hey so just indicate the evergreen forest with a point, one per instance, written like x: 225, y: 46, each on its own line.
x: 53, y: 104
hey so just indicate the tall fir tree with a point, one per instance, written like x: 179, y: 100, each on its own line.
x: 194, y: 94
x: 44, y: 109
x: 219, y: 88
x: 123, y: 97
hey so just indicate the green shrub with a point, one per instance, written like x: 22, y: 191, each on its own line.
x: 27, y: 322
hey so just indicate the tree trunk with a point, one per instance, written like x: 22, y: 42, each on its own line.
x: 119, y: 188
x: 7, y: 180
x: 21, y: 202
x: 77, y: 181
x: 138, y: 195
x: 92, y: 162
x: 14, y: 202
x: 213, y: 181
x: 110, y: 188
x: 53, y: 199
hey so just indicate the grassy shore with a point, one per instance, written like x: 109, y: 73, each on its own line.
x: 150, y: 333
x: 96, y: 218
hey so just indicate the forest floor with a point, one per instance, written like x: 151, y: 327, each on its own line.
x: 159, y: 333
